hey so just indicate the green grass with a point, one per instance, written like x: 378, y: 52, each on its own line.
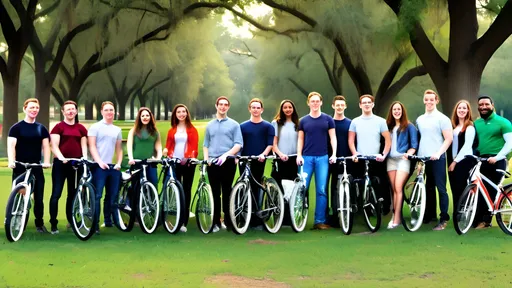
x: 312, y: 258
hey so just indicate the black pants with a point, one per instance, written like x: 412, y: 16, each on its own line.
x: 185, y: 174
x: 37, y: 190
x: 458, y: 179
x: 435, y: 172
x: 489, y: 171
x: 284, y: 170
x: 382, y: 188
x: 221, y: 181
x: 60, y: 173
x: 257, y: 169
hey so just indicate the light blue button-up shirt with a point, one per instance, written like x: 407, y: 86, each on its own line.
x: 221, y: 135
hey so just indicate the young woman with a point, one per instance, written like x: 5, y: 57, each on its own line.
x: 404, y: 140
x: 436, y: 136
x: 182, y: 142
x: 464, y: 143
x: 69, y: 140
x: 286, y: 125
x: 144, y: 142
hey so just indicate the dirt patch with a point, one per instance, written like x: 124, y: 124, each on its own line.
x: 367, y: 233
x: 263, y: 242
x: 228, y: 280
x: 427, y: 275
x: 139, y: 276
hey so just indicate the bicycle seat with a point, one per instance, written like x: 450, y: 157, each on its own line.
x: 503, y: 173
x: 126, y: 176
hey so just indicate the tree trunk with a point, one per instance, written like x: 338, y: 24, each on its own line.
x: 166, y: 108
x: 122, y: 108
x: 43, y: 94
x: 97, y: 104
x: 10, y: 109
x: 132, y: 107
x: 158, y: 109
x: 89, y: 110
x: 464, y: 78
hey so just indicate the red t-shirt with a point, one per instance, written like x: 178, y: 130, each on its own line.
x: 70, y: 137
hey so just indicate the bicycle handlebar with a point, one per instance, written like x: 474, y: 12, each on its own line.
x: 29, y: 165
x: 477, y: 158
x: 80, y: 161
x: 345, y: 158
x: 366, y: 157
x: 149, y: 161
x: 421, y: 158
x: 195, y: 161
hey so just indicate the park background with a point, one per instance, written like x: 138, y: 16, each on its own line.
x: 163, y: 52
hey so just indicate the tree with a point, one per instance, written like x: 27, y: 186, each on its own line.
x: 459, y: 76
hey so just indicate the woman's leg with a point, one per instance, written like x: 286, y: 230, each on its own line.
x: 398, y: 187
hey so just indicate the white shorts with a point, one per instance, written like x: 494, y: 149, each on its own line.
x: 399, y: 164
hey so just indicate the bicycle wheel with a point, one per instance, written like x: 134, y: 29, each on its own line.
x: 204, y: 208
x: 465, y: 213
x: 172, y: 207
x: 504, y: 214
x: 298, y: 207
x: 16, y: 216
x: 413, y: 206
x: 240, y: 207
x: 125, y: 212
x: 148, y: 208
x: 272, y: 206
x: 82, y: 211
x: 344, y: 210
x: 371, y: 209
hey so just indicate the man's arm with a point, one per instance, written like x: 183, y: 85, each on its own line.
x: 47, y: 153
x: 334, y: 144
x: 11, y: 151
x: 448, y: 138
x: 507, y: 147
x: 83, y: 144
x: 55, y: 139
x: 351, y: 142
x: 94, y: 152
x: 387, y: 143
x: 119, y: 153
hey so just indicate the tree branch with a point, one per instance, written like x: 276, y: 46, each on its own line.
x: 494, y: 37
x: 47, y: 10
x: 8, y: 28
x: 310, y: 21
x: 297, y: 85
x: 390, y: 75
x: 167, y: 78
x: 356, y: 73
x: 57, y: 96
x: 328, y: 70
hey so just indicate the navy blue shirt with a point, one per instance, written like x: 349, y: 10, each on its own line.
x: 257, y: 137
x: 29, y: 140
x: 341, y: 127
x: 316, y: 133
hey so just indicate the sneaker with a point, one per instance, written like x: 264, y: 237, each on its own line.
x: 440, y: 226
x: 392, y: 225
x: 41, y: 229
x: 223, y: 226
x: 54, y: 230
x: 320, y: 226
x: 215, y: 229
x: 127, y: 208
x: 183, y: 229
x: 483, y: 225
x: 106, y: 225
x: 191, y: 215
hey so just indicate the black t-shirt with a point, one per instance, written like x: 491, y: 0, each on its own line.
x: 29, y: 140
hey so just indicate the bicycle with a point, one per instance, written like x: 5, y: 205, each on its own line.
x: 299, y: 202
x: 146, y: 201
x: 18, y: 204
x: 501, y: 206
x: 172, y: 198
x: 271, y: 207
x: 371, y: 205
x: 82, y: 211
x: 414, y: 197
x: 204, y: 196
x: 345, y: 209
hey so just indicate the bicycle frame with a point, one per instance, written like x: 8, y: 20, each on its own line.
x: 476, y: 178
x: 202, y: 177
x: 247, y: 176
x: 27, y: 182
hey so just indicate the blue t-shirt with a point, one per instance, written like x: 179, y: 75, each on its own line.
x: 257, y: 137
x: 341, y: 127
x: 316, y: 133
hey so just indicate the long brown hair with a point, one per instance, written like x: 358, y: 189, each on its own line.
x: 151, y: 127
x: 174, y: 118
x: 468, y: 120
x: 390, y: 120
x: 281, y: 117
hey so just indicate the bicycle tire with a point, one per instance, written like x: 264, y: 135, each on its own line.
x: 172, y: 207
x: 148, y: 208
x: 298, y: 207
x: 345, y: 214
x: 274, y: 197
x: 16, y: 219
x: 413, y: 206
x: 125, y: 216
x: 372, y: 209
x: 505, y: 222
x: 82, y: 211
x: 464, y: 215
x: 240, y: 207
x: 204, y: 208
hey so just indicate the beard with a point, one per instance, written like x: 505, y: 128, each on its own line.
x: 486, y: 114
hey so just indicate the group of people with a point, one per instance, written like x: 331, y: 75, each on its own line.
x: 313, y: 141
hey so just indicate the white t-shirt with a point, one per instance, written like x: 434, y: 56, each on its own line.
x: 430, y: 127
x: 368, y: 131
x: 180, y: 141
x: 287, y: 137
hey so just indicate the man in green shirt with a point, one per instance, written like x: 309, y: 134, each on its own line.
x: 495, y: 142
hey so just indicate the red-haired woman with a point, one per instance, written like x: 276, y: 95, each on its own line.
x: 464, y: 143
x: 404, y: 140
x: 182, y: 142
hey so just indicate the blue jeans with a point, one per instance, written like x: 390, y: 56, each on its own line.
x: 110, y: 180
x: 320, y: 166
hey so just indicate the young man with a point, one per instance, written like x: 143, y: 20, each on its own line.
x: 222, y: 138
x: 367, y: 130
x: 495, y: 142
x: 104, y: 140
x: 341, y: 126
x: 69, y: 140
x: 436, y: 135
x: 314, y: 130
x: 24, y: 144
x: 258, y: 136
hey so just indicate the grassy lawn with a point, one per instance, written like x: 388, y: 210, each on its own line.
x: 257, y: 259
